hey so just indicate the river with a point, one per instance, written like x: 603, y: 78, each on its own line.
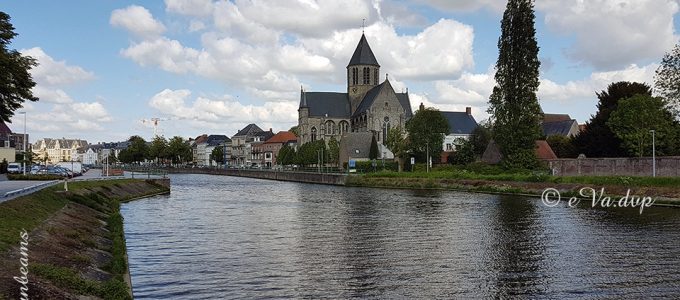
x: 218, y: 237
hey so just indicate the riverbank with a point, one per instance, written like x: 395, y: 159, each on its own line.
x: 664, y: 190
x: 75, y: 244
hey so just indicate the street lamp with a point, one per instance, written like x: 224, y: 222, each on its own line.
x: 24, y: 138
x: 653, y: 153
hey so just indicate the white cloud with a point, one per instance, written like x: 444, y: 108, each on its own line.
x: 224, y: 113
x: 611, y: 34
x: 137, y: 20
x: 50, y: 72
x: 197, y: 8
x: 466, y: 5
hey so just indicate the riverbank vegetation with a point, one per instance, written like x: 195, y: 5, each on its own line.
x: 77, y: 244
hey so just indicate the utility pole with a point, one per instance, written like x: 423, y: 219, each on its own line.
x: 653, y: 153
x: 24, y: 163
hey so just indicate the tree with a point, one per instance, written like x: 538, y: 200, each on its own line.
x: 636, y: 116
x: 398, y: 144
x: 282, y: 158
x: 333, y: 150
x: 217, y: 154
x: 513, y: 104
x: 159, y: 148
x: 373, y: 151
x: 137, y: 151
x: 179, y: 150
x: 15, y: 80
x: 667, y: 79
x: 426, y: 130
x: 480, y: 138
x: 562, y: 146
x: 597, y: 139
x: 464, y: 154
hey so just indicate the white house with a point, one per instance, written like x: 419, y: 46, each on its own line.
x: 461, y: 126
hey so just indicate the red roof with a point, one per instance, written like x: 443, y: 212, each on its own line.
x: 543, y: 150
x: 548, y: 118
x: 282, y: 137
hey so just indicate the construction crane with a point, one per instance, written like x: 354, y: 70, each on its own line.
x: 154, y: 123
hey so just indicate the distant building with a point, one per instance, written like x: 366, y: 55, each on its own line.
x: 269, y: 150
x: 493, y: 155
x: 461, y: 126
x: 211, y: 143
x: 7, y: 144
x: 58, y: 150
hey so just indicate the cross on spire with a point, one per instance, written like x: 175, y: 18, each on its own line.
x: 363, y: 25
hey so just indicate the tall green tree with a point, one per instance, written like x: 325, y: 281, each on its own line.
x: 333, y: 150
x: 285, y: 156
x: 217, y: 154
x: 398, y: 144
x: 480, y: 138
x: 513, y: 104
x: 179, y: 150
x: 426, y: 130
x: 15, y: 80
x: 636, y: 116
x: 667, y: 79
x: 597, y: 139
x: 158, y: 149
x: 373, y: 151
x: 138, y: 150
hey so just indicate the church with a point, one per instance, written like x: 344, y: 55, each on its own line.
x: 367, y: 107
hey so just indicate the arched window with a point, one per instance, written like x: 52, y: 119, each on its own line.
x: 355, y: 76
x: 386, y: 129
x: 375, y: 77
x: 330, y: 128
x: 313, y: 134
x: 344, y: 126
x: 367, y: 75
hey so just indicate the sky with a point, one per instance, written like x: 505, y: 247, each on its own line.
x: 106, y: 68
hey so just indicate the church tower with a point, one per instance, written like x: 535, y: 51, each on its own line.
x: 363, y: 73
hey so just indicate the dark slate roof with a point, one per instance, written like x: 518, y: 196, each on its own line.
x: 406, y: 104
x: 547, y: 118
x: 363, y: 55
x: 264, y: 135
x: 460, y: 122
x: 356, y: 141
x: 558, y: 128
x: 248, y: 130
x: 4, y: 129
x: 216, y: 139
x: 369, y: 98
x: 334, y: 105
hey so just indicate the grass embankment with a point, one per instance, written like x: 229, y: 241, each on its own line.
x: 36, y: 177
x: 77, y: 245
x: 490, y: 179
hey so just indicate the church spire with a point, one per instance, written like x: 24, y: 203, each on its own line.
x: 363, y: 55
x: 303, y: 98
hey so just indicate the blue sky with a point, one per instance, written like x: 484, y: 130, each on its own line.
x: 212, y: 67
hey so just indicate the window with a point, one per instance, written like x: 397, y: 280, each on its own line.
x: 449, y: 147
x: 330, y: 128
x: 386, y: 129
x: 375, y: 77
x: 343, y: 127
x: 367, y: 75
x: 355, y: 76
x: 313, y: 134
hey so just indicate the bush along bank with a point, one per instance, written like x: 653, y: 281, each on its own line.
x: 76, y: 241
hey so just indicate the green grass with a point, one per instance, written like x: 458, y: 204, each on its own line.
x: 69, y: 279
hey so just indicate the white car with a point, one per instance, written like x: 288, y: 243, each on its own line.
x: 14, y: 168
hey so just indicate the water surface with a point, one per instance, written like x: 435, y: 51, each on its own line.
x: 217, y: 237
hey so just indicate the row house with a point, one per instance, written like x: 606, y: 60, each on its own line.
x: 203, y: 147
x: 242, y: 145
x: 58, y: 150
x: 269, y: 150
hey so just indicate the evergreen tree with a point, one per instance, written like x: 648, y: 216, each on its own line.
x: 333, y: 150
x: 597, y: 139
x: 15, y: 80
x: 373, y: 152
x: 513, y: 104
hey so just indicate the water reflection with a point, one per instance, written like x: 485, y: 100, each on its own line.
x: 225, y: 237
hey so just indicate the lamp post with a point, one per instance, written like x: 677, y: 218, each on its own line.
x: 24, y: 138
x: 427, y: 162
x: 653, y: 153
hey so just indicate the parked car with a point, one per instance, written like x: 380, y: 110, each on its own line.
x: 14, y: 168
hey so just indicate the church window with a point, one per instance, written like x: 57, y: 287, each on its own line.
x: 313, y: 134
x: 343, y: 127
x: 330, y: 128
x: 375, y: 77
x: 355, y: 76
x: 367, y: 75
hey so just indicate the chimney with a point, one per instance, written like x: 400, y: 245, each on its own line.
x: 468, y: 110
x: 422, y: 106
x: 270, y: 130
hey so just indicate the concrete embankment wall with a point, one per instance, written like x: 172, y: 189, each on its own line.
x: 307, y: 177
x: 665, y: 166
